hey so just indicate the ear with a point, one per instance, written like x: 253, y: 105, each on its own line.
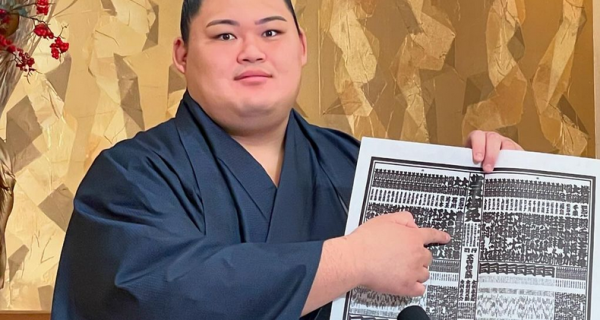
x: 303, y: 47
x: 180, y: 55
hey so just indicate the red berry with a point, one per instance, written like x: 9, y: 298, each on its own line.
x: 42, y: 9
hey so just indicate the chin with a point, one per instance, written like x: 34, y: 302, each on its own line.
x: 257, y: 108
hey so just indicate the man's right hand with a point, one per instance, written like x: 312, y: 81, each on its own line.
x: 390, y: 254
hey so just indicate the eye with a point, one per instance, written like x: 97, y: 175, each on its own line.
x: 270, y: 33
x: 226, y: 37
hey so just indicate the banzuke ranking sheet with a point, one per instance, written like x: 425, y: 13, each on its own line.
x: 522, y: 237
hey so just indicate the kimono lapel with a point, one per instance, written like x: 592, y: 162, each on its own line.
x: 294, y: 202
x: 312, y: 197
x: 250, y: 188
x: 237, y: 193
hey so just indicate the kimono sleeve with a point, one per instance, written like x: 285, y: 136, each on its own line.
x: 136, y: 248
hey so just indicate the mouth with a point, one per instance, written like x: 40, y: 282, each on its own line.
x: 254, y: 74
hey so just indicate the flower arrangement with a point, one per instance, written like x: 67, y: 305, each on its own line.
x: 10, y: 16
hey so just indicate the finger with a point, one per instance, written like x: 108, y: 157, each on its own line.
x: 476, y: 141
x: 428, y: 258
x: 492, y: 149
x: 405, y: 218
x: 423, y: 275
x: 417, y: 290
x: 469, y: 141
x: 433, y: 236
x: 508, y: 144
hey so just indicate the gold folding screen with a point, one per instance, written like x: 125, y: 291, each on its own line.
x: 432, y: 71
x: 419, y: 70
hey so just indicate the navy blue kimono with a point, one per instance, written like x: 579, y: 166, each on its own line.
x: 181, y: 222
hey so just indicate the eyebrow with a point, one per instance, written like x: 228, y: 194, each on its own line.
x: 269, y: 19
x: 237, y: 24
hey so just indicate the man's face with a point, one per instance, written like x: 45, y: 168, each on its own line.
x: 243, y: 62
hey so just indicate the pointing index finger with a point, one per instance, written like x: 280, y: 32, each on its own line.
x: 433, y: 236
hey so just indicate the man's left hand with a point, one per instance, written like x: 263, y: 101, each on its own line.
x: 486, y: 146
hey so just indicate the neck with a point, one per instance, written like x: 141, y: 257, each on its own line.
x: 267, y: 147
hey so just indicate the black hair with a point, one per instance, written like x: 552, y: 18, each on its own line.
x: 191, y: 8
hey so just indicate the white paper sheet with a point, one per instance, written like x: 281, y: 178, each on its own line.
x: 523, y: 236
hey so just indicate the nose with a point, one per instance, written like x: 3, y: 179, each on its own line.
x: 251, y: 53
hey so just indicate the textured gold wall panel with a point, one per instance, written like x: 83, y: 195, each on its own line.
x: 419, y: 70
